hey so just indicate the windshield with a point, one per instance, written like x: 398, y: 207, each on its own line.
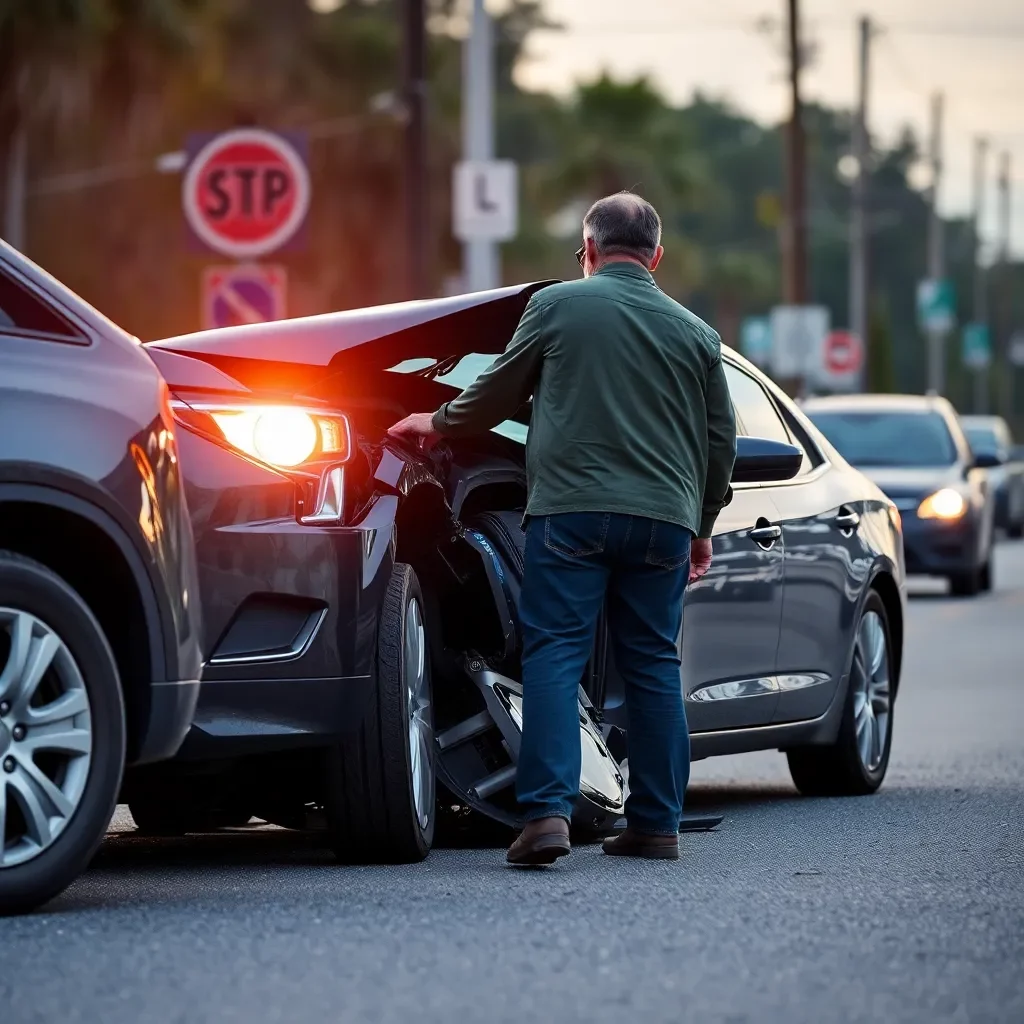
x: 459, y: 377
x: 888, y: 438
x: 983, y: 439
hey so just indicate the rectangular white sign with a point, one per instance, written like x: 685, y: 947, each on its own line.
x: 485, y: 200
x: 798, y: 338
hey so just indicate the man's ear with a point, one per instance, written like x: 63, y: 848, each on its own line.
x: 591, y: 247
x: 658, y: 253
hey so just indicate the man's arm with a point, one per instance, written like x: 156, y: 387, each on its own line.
x: 506, y: 384
x: 721, y: 448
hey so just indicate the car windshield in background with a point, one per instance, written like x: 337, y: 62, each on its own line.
x: 460, y: 376
x: 888, y: 438
x: 983, y: 440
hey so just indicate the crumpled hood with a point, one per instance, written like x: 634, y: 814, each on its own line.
x: 369, y: 339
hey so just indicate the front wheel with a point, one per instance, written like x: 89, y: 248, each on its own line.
x: 856, y: 763
x: 379, y: 795
x: 62, y: 734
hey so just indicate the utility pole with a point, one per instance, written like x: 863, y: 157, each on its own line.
x: 416, y: 185
x: 979, y: 305
x: 1005, y: 292
x: 480, y: 263
x: 795, y: 255
x: 936, y: 260
x: 859, y: 213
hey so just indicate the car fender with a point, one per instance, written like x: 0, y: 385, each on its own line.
x: 79, y: 496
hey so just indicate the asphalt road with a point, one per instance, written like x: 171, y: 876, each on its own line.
x: 905, y: 906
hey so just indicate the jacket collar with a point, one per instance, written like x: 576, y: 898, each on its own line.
x: 620, y: 268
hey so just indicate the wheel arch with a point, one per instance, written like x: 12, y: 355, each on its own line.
x: 884, y: 584
x: 86, y: 547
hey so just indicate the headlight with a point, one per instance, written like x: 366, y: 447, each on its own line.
x: 944, y: 504
x: 283, y: 436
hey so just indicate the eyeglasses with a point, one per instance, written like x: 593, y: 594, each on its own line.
x: 581, y: 253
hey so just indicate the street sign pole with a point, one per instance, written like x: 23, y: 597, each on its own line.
x: 480, y: 264
x: 936, y: 262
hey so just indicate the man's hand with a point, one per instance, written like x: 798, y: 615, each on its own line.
x: 414, y: 429
x: 700, y: 557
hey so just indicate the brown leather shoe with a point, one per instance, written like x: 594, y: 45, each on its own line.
x: 541, y: 842
x: 642, y: 844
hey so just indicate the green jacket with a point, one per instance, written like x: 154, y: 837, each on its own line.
x: 631, y: 410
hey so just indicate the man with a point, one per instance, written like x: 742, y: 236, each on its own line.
x: 629, y: 457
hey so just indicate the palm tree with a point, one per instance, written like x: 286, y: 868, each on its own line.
x: 56, y: 56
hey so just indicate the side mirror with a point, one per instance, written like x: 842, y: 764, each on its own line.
x: 759, y: 460
x: 987, y: 460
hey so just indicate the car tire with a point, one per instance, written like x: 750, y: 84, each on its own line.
x: 985, y: 576
x: 379, y: 796
x: 71, y: 790
x: 1016, y: 531
x: 966, y: 584
x: 856, y: 763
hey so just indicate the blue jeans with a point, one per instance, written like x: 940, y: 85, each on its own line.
x: 575, y: 562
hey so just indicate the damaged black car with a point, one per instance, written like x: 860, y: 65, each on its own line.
x: 360, y: 599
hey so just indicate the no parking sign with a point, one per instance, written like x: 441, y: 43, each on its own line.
x: 247, y: 294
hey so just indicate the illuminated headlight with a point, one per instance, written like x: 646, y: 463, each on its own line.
x: 282, y: 436
x: 944, y: 504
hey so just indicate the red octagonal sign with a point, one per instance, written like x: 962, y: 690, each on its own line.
x: 246, y: 193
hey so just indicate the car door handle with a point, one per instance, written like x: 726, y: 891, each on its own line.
x: 766, y: 536
x: 847, y: 520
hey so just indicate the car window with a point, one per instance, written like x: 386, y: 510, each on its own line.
x: 20, y: 310
x: 756, y: 415
x: 888, y: 438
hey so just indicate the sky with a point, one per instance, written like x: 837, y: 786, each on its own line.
x: 971, y: 50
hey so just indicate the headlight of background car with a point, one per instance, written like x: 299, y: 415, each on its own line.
x: 282, y: 436
x: 944, y: 504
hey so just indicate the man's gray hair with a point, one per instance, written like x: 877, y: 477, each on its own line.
x: 624, y: 224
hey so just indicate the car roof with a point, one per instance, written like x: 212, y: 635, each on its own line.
x: 876, y: 403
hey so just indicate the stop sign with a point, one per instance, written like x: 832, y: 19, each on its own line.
x: 246, y: 192
x: 844, y: 353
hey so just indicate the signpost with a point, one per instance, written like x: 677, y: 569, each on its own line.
x: 798, y: 337
x: 756, y: 340
x: 936, y: 306
x: 245, y: 294
x: 246, y: 192
x: 936, y: 315
x: 976, y: 352
x: 1016, y: 348
x: 485, y: 200
x: 976, y: 346
x: 841, y: 365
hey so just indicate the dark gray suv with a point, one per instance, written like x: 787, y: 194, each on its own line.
x: 99, y: 640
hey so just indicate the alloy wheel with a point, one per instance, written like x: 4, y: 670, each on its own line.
x: 45, y: 736
x: 421, y: 730
x: 871, y: 692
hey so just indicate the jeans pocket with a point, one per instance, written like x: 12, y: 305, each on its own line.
x: 576, y: 534
x: 669, y: 547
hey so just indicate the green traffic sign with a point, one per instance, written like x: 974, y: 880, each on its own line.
x: 936, y: 306
x: 977, y: 346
